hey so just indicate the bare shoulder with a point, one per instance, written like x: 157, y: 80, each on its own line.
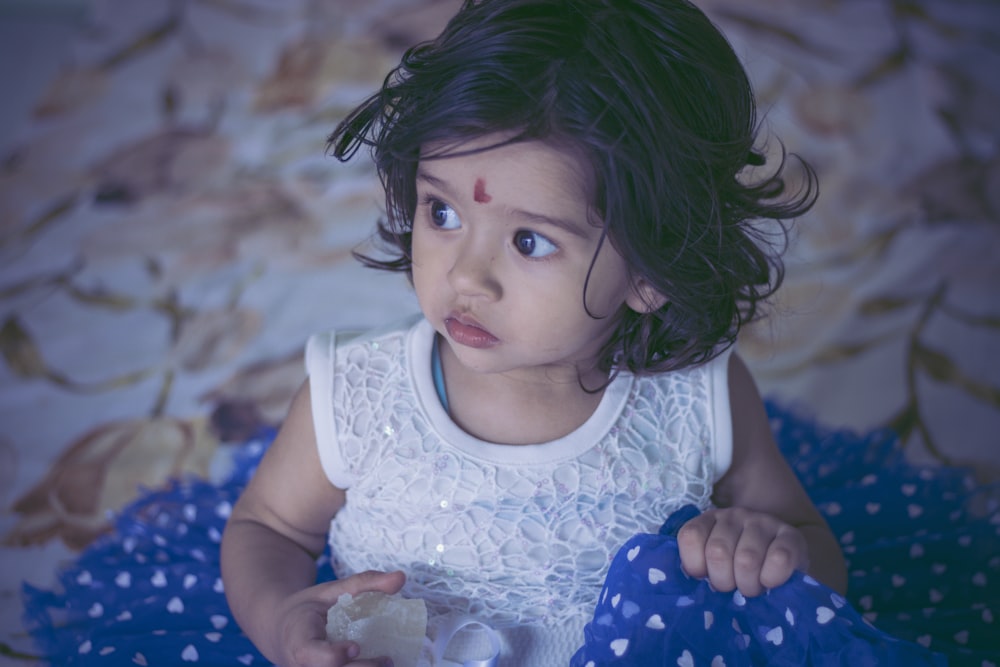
x: 289, y: 492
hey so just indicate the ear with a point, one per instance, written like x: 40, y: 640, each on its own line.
x: 643, y: 297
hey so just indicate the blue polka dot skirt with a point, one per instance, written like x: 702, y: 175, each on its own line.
x: 150, y: 593
x: 650, y: 613
x: 922, y: 544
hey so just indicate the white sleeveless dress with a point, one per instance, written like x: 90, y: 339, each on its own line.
x: 517, y: 537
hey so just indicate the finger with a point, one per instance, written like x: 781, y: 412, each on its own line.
x: 353, y: 650
x: 719, y: 550
x: 323, y: 653
x: 373, y: 662
x: 787, y: 552
x: 385, y: 582
x: 336, y: 654
x: 352, y: 653
x: 749, y: 556
x: 691, y: 540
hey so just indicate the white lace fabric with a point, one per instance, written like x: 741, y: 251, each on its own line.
x: 519, y: 537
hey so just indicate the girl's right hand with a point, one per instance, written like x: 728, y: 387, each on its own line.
x: 734, y: 547
x: 300, y: 631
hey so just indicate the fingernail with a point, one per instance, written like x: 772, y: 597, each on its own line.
x: 353, y: 651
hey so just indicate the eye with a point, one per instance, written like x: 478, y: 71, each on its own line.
x: 533, y: 244
x: 442, y: 215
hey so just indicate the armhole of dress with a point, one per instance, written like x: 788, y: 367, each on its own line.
x: 320, y: 357
x: 722, y: 426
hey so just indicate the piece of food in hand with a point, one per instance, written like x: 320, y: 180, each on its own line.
x: 383, y: 625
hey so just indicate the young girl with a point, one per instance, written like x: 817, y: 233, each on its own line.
x: 573, y: 188
x: 570, y: 188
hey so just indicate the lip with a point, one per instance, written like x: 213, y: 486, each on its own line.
x: 464, y: 330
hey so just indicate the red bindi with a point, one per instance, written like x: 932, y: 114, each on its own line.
x: 479, y: 194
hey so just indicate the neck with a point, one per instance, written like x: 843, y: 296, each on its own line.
x: 519, y: 408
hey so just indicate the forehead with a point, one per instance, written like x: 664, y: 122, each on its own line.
x: 527, y: 166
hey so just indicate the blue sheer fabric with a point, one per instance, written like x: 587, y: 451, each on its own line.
x: 651, y: 613
x: 150, y: 593
x: 922, y: 545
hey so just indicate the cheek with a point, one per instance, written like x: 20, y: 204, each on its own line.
x: 418, y: 258
x: 608, y: 286
x: 421, y: 250
x: 428, y: 266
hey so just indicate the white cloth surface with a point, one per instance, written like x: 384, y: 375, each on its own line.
x: 518, y: 537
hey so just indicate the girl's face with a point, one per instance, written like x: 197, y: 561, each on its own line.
x: 502, y: 245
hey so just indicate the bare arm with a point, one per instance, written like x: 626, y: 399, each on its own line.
x: 766, y: 525
x: 276, y: 530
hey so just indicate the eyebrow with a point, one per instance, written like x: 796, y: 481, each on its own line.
x: 434, y: 181
x: 538, y: 218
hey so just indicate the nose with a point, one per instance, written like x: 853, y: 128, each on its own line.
x: 473, y: 272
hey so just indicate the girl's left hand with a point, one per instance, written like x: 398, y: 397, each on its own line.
x: 739, y: 548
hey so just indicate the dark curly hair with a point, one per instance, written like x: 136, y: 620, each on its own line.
x: 652, y: 94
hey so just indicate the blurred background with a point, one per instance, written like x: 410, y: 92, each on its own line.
x: 171, y: 231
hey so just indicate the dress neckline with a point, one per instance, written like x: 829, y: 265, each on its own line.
x: 420, y: 347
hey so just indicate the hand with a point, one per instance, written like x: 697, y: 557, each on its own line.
x: 740, y: 548
x: 299, y: 636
